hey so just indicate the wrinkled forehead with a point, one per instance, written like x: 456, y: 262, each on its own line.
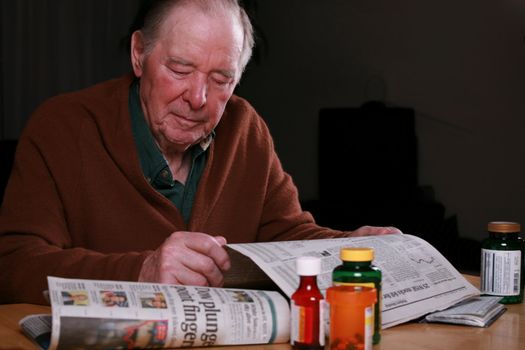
x: 193, y: 26
x: 200, y: 13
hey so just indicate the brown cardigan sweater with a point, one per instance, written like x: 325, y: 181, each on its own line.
x: 77, y: 204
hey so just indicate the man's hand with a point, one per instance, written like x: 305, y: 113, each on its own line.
x: 190, y: 258
x: 373, y: 230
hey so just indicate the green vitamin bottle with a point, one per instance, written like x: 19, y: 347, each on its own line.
x: 357, y: 270
x: 502, y: 262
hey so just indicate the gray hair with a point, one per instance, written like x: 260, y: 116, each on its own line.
x: 155, y: 15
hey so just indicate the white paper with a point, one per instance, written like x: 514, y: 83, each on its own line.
x: 480, y: 312
x: 114, y: 314
x: 417, y: 279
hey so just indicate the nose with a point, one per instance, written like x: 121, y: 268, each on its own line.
x: 197, y: 91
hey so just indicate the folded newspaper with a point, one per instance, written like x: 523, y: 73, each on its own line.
x: 417, y: 280
x: 478, y: 312
x: 91, y: 314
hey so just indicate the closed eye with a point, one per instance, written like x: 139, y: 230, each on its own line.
x: 221, y: 80
x: 181, y: 73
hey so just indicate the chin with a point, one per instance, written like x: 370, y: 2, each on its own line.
x: 180, y: 144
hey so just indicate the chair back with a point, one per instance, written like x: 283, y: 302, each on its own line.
x: 7, y: 155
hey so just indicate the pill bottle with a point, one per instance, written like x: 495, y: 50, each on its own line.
x: 307, y: 305
x: 502, y: 262
x: 351, y: 317
x: 357, y: 270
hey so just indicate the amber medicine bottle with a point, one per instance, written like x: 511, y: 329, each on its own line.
x: 351, y: 317
x: 357, y: 270
x: 502, y: 262
x: 307, y: 327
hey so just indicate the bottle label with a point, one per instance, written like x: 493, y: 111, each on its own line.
x: 303, y: 319
x: 378, y: 304
x: 323, y: 305
x: 369, y: 327
x: 500, y: 272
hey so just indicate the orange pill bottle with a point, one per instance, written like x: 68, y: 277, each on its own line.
x: 351, y: 317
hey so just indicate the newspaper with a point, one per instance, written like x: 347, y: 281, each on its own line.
x: 477, y: 312
x: 38, y: 328
x: 91, y: 314
x: 417, y: 279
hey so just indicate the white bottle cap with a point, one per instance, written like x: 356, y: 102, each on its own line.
x: 308, y: 266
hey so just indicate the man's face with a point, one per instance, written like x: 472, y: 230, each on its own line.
x: 189, y: 75
x: 79, y: 297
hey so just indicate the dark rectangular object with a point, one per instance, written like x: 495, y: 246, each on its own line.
x: 7, y: 154
x: 367, y: 153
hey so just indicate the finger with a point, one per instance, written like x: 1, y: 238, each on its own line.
x: 373, y: 230
x: 199, y: 269
x: 185, y: 266
x: 183, y: 275
x: 209, y: 247
x: 392, y: 230
x: 367, y: 231
x: 361, y: 231
x: 200, y: 254
x: 383, y: 230
x: 190, y: 269
x: 221, y: 240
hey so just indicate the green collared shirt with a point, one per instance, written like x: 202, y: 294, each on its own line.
x: 154, y: 165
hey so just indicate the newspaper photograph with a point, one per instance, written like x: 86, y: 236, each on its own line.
x: 417, y: 279
x: 93, y: 314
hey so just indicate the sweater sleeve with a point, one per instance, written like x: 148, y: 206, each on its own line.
x: 34, y: 238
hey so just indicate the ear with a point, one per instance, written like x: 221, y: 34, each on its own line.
x: 137, y: 52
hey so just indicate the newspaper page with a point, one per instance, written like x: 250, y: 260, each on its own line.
x: 37, y: 328
x: 478, y: 312
x: 417, y: 279
x: 91, y: 314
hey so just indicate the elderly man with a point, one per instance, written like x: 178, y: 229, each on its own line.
x: 146, y: 177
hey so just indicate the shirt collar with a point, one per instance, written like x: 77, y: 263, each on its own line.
x: 206, y: 142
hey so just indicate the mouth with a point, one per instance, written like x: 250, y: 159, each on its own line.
x: 185, y: 121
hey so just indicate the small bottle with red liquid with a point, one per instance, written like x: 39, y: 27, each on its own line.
x: 307, y: 304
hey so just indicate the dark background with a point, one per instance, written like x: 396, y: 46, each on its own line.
x: 455, y: 69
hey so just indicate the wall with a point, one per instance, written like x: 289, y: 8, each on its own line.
x: 53, y: 46
x: 460, y: 65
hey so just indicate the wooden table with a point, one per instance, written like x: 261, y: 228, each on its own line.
x: 507, y: 333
